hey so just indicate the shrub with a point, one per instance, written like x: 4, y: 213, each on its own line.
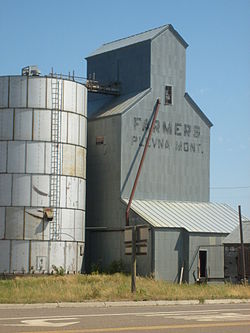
x: 58, y: 271
x: 117, y: 266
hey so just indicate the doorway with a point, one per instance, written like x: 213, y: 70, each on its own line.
x: 202, y: 264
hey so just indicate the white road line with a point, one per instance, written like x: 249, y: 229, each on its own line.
x: 153, y: 314
x: 230, y: 316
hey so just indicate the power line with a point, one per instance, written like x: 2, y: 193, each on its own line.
x: 229, y: 188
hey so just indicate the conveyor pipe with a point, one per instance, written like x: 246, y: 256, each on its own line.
x: 142, y: 160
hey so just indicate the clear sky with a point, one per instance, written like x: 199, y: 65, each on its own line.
x: 60, y: 34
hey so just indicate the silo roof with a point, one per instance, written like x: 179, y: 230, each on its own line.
x: 138, y: 38
x: 204, y: 217
x: 234, y: 237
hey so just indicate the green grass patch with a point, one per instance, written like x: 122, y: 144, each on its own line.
x: 103, y: 287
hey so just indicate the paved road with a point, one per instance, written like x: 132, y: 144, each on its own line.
x: 154, y: 319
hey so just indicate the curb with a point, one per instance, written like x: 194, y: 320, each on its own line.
x: 121, y: 304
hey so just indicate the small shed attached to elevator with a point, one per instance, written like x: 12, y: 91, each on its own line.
x: 233, y: 256
x: 184, y: 234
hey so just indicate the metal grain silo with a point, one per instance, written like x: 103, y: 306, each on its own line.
x: 43, y: 129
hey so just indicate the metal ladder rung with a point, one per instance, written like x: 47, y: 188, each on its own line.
x: 56, y: 95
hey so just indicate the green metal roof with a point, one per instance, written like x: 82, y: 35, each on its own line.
x: 196, y: 108
x: 138, y: 38
x: 204, y: 217
x: 234, y: 237
x: 120, y: 104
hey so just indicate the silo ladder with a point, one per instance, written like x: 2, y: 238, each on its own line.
x: 56, y: 114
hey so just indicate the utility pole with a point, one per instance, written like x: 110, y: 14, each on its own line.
x: 133, y: 260
x: 242, y: 247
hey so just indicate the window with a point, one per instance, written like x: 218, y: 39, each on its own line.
x: 168, y: 95
x: 99, y: 140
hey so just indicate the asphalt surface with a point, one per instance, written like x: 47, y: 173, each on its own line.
x: 126, y: 317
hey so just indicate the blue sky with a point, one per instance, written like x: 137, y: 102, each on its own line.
x: 60, y: 34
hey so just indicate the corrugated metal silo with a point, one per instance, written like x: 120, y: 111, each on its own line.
x: 43, y: 129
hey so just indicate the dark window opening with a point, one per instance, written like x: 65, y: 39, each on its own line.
x: 203, y: 264
x: 168, y: 95
x: 99, y: 140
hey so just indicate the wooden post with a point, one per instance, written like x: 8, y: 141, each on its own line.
x: 181, y: 275
x: 242, y: 247
x: 133, y: 261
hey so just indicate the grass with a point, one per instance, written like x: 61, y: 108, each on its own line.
x: 102, y: 287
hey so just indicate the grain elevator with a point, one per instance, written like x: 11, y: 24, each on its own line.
x: 172, y: 194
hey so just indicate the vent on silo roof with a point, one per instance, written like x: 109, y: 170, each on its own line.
x: 31, y: 71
